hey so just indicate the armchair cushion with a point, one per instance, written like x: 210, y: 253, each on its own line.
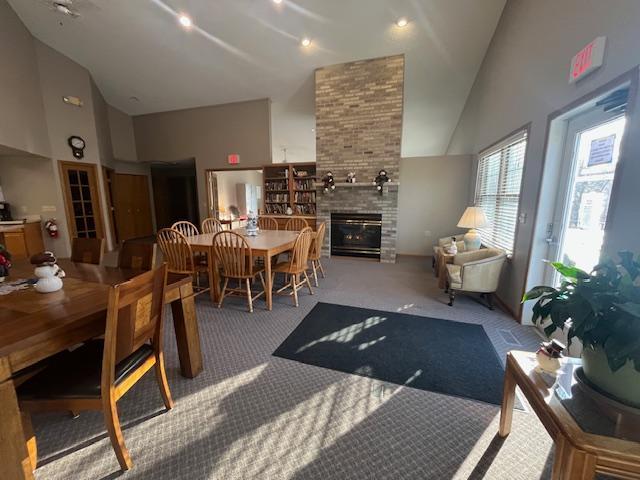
x: 477, y: 271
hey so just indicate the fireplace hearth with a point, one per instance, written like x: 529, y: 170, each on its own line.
x: 356, y: 234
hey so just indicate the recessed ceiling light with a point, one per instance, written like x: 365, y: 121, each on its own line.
x: 185, y: 21
x: 277, y: 1
x: 402, y: 22
x: 305, y: 42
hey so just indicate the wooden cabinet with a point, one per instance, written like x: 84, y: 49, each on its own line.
x: 132, y: 206
x: 22, y: 241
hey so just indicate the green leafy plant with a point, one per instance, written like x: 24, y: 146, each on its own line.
x: 601, y: 308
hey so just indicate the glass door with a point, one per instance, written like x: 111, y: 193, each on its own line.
x: 592, y: 149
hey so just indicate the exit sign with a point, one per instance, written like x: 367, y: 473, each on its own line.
x: 233, y: 159
x: 588, y: 59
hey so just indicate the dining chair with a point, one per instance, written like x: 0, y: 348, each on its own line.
x: 96, y: 375
x: 178, y: 254
x: 211, y: 225
x: 234, y: 256
x: 137, y: 255
x: 186, y: 228
x: 316, y: 252
x: 296, y: 224
x: 87, y: 250
x: 296, y: 266
x: 267, y: 223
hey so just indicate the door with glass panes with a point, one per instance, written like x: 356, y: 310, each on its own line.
x: 592, y: 150
x: 82, y: 199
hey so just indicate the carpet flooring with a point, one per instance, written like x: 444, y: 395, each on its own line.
x: 250, y: 415
x: 454, y: 358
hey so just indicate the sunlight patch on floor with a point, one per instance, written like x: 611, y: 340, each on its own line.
x: 345, y: 335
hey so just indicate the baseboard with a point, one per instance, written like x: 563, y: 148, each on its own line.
x: 506, y: 308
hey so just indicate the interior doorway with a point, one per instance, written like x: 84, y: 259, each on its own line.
x: 175, y: 193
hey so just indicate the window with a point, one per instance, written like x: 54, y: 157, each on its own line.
x: 498, y: 190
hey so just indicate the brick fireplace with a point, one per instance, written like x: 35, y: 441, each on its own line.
x: 359, y: 109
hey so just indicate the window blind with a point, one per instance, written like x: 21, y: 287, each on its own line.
x: 498, y: 190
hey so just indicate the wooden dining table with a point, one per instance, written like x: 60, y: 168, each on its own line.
x: 267, y: 244
x: 35, y: 326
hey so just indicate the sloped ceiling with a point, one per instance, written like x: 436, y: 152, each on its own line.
x: 246, y: 49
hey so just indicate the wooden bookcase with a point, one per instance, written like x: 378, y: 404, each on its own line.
x: 290, y: 185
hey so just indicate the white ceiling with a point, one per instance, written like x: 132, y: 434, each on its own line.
x: 247, y: 49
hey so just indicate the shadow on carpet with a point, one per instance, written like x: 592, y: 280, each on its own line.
x: 431, y: 354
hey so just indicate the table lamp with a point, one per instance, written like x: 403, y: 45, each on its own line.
x: 472, y: 218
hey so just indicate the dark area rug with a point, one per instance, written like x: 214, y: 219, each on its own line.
x: 427, y: 353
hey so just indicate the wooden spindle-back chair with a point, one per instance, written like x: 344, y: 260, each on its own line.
x: 267, y: 223
x: 234, y: 256
x: 296, y: 224
x: 186, y: 228
x: 211, y: 225
x: 179, y: 256
x: 297, y: 265
x: 316, y: 252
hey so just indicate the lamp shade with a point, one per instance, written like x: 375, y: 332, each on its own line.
x: 473, y: 217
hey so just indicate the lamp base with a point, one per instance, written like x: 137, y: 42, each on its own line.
x: 472, y: 240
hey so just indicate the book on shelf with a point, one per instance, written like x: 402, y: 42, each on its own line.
x: 305, y: 197
x: 306, y: 184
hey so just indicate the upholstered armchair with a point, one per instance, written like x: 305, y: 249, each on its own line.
x: 477, y: 271
x: 443, y: 242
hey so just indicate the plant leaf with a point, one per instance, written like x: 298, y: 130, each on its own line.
x: 572, y: 273
x: 536, y: 292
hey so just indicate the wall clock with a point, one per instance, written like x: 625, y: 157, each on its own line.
x: 77, y: 145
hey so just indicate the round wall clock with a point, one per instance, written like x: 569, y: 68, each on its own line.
x: 77, y: 145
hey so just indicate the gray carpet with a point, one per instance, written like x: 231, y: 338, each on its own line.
x: 253, y: 416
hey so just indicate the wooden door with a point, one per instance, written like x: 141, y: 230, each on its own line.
x: 82, y: 199
x: 132, y: 206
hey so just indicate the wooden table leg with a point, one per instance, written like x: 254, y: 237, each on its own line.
x: 14, y: 457
x: 214, y: 280
x: 268, y: 295
x: 508, y: 399
x: 570, y: 463
x: 185, y: 324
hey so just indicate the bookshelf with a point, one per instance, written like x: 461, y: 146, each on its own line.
x: 290, y: 185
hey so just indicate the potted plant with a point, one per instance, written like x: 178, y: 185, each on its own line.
x: 602, y: 310
x: 5, y: 262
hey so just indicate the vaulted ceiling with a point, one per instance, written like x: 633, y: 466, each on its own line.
x: 246, y: 49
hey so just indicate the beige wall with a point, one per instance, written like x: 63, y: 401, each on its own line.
x: 18, y: 175
x: 523, y: 79
x: 207, y: 134
x: 22, y: 121
x: 123, y: 139
x: 434, y: 191
x: 60, y: 76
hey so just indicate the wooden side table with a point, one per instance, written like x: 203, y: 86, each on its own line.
x: 441, y: 267
x: 583, y: 448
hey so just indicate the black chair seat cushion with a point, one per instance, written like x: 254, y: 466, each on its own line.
x: 77, y: 374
